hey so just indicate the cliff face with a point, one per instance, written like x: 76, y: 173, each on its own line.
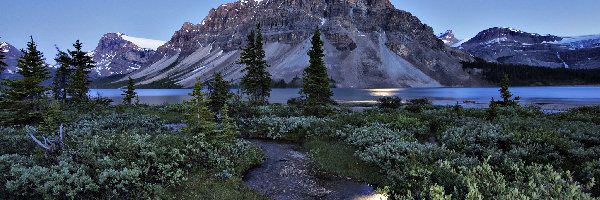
x: 368, y: 43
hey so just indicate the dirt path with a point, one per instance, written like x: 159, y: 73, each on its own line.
x: 288, y: 173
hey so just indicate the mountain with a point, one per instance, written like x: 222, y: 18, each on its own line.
x: 12, y: 55
x: 118, y: 53
x: 368, y: 43
x: 512, y: 46
x: 448, y: 38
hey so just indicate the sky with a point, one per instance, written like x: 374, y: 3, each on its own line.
x: 61, y: 22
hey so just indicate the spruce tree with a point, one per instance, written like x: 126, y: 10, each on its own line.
x: 257, y: 81
x: 62, y: 76
x: 82, y: 64
x: 129, y: 95
x: 264, y: 81
x: 315, y: 88
x: 199, y: 119
x: 219, y: 93
x: 20, y: 101
x: 492, y: 112
x: 229, y: 132
x: 33, y: 69
x: 506, y: 94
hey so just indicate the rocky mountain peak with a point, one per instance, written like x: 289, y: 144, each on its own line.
x: 368, y: 43
x: 448, y: 38
x: 118, y: 53
x: 509, y: 35
x: 12, y: 55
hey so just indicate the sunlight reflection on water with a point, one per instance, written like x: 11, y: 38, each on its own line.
x: 474, y: 97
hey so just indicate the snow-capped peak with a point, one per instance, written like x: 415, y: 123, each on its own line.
x: 3, y: 47
x: 142, y: 42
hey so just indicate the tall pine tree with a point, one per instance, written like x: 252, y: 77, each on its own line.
x: 33, y: 69
x: 129, y: 95
x: 219, y: 93
x: 62, y: 76
x: 20, y: 102
x: 315, y: 89
x: 257, y: 81
x: 82, y: 64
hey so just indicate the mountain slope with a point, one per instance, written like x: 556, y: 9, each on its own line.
x: 118, y: 53
x: 368, y: 43
x: 512, y: 46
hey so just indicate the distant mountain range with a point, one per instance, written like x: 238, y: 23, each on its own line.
x: 512, y: 46
x: 368, y: 43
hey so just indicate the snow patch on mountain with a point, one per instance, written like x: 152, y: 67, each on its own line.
x: 579, y: 42
x: 143, y: 42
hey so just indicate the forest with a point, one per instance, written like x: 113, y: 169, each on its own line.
x: 525, y: 75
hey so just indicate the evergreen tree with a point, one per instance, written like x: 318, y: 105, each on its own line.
x: 229, y: 130
x: 199, y: 118
x: 129, y: 95
x: 264, y: 82
x: 33, y: 69
x: 20, y: 101
x: 506, y: 94
x: 82, y: 64
x: 315, y: 89
x: 257, y: 81
x: 62, y: 76
x: 219, y: 93
x: 492, y: 113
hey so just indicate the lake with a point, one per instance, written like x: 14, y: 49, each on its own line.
x: 550, y: 97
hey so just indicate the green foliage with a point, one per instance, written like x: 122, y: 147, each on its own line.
x: 525, y: 75
x: 436, y: 154
x: 34, y: 71
x: 129, y: 95
x: 82, y: 64
x: 219, y: 93
x: 492, y: 112
x: 338, y: 158
x: 116, y: 153
x: 198, y: 117
x: 62, y: 76
x: 257, y: 81
x: 315, y: 88
x: 390, y: 102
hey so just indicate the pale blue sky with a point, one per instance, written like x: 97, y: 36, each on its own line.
x: 61, y: 22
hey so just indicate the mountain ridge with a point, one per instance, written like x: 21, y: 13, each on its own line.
x: 369, y: 43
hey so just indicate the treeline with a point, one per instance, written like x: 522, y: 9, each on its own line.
x: 525, y: 75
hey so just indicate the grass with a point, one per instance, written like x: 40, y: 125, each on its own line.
x: 338, y: 158
x: 203, y: 186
